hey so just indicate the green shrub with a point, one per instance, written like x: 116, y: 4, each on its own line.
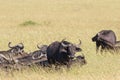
x: 29, y: 23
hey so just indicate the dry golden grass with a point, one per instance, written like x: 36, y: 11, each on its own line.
x: 58, y: 19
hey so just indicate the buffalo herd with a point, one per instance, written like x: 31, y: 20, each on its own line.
x: 57, y: 53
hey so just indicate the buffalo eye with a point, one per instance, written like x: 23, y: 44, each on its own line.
x: 78, y: 49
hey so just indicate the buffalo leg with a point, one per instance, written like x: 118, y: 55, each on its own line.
x: 102, y: 48
x: 97, y: 47
x: 50, y: 61
x: 69, y: 63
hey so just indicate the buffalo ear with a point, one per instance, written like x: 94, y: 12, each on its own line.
x: 9, y: 45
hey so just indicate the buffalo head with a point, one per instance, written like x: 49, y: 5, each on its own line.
x: 17, y: 48
x: 95, y: 38
x: 81, y: 59
x: 43, y: 48
x: 69, y: 48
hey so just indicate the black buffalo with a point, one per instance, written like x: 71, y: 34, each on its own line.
x: 106, y: 39
x: 7, y: 56
x: 17, y: 49
x: 42, y: 52
x: 62, y: 52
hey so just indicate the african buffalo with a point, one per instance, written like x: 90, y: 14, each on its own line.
x: 33, y: 58
x: 106, y: 39
x: 12, y: 52
x: 17, y: 49
x: 62, y: 52
x: 42, y: 52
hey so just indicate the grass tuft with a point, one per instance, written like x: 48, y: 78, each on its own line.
x: 29, y: 23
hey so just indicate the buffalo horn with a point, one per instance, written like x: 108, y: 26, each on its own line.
x: 9, y: 45
x: 79, y: 43
x: 63, y: 39
x: 63, y: 44
x: 38, y: 46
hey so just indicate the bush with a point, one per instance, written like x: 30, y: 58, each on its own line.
x: 29, y: 23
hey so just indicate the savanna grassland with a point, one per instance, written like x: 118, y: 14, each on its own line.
x: 45, y: 21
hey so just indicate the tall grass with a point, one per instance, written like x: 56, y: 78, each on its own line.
x: 70, y: 19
